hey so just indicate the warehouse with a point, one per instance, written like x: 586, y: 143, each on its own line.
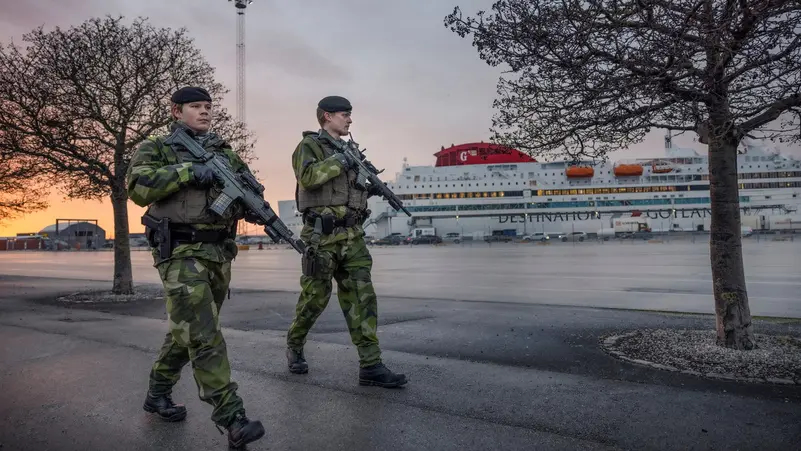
x: 77, y: 235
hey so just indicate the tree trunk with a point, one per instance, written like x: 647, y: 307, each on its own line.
x: 123, y: 274
x: 733, y: 316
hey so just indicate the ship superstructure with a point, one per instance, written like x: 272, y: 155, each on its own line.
x: 488, y: 189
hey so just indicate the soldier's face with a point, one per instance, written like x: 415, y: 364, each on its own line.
x: 339, y: 122
x: 196, y: 115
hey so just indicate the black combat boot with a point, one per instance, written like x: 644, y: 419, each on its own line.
x: 381, y: 376
x: 164, y: 407
x: 296, y: 361
x: 242, y: 431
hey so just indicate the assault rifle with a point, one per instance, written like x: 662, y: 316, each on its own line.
x: 368, y: 173
x: 238, y: 186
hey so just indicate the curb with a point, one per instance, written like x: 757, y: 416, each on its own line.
x: 609, y: 345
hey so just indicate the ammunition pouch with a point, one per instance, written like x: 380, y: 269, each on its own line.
x: 310, y: 263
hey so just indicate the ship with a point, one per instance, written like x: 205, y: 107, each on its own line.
x: 485, y: 189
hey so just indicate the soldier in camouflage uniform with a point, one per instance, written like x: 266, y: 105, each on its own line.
x: 197, y: 272
x: 333, y: 213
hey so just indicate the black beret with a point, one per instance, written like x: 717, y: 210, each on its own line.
x: 332, y: 104
x: 190, y: 94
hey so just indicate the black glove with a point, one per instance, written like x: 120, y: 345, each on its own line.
x: 373, y: 190
x: 204, y: 177
x: 253, y: 218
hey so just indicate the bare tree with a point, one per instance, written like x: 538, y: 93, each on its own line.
x: 21, y: 190
x: 79, y: 102
x: 587, y: 77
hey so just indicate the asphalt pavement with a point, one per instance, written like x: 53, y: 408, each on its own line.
x: 484, y: 375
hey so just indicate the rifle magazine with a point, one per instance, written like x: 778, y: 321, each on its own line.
x: 221, y: 203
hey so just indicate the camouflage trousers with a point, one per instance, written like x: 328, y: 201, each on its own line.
x: 195, y: 289
x: 349, y: 262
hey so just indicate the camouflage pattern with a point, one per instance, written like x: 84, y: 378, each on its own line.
x: 349, y: 262
x: 345, y: 258
x: 322, y: 184
x: 195, y: 290
x: 156, y: 172
x: 195, y: 279
x: 311, y: 172
x: 311, y: 167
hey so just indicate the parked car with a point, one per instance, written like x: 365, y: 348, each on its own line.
x: 389, y: 240
x: 498, y: 238
x: 453, y: 237
x: 539, y: 236
x: 573, y: 236
x: 427, y: 239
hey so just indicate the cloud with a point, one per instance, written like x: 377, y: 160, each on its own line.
x: 414, y: 84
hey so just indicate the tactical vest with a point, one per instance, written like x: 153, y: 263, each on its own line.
x: 336, y: 192
x: 190, y: 205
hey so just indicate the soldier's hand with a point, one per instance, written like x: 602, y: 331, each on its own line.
x: 204, y: 177
x: 373, y: 190
x: 253, y: 218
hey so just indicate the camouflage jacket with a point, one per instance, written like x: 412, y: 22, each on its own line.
x: 311, y: 172
x: 155, y: 173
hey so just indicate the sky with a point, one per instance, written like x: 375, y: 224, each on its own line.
x: 415, y: 86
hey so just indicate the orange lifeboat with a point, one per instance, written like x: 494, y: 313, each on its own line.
x: 628, y: 170
x: 579, y: 171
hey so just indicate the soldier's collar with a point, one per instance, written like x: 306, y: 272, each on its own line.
x: 192, y: 134
x: 327, y: 136
x: 209, y: 138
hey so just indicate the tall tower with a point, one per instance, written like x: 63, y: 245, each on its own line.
x: 240, y: 5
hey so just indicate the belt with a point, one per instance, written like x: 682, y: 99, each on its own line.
x: 331, y: 221
x: 198, y: 236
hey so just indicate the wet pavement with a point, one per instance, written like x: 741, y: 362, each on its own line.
x: 484, y: 375
x: 630, y: 274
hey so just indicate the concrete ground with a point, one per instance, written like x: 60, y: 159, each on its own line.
x: 629, y: 274
x: 483, y: 376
